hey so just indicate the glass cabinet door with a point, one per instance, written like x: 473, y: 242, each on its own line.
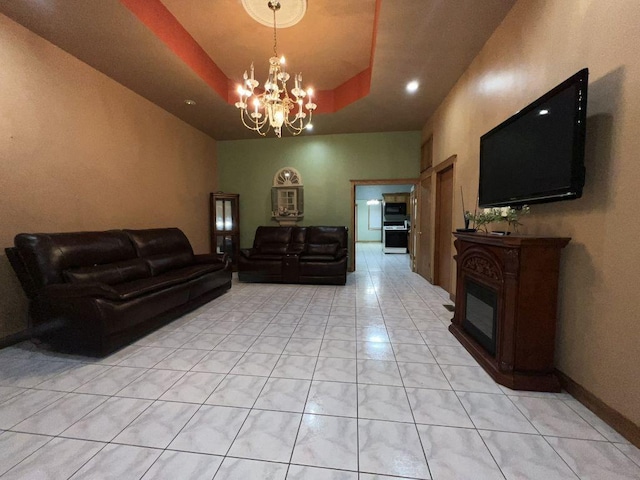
x: 224, y: 215
x: 225, y: 227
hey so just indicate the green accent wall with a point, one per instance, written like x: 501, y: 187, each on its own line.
x: 326, y: 163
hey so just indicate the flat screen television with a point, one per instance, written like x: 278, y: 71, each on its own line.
x: 537, y: 155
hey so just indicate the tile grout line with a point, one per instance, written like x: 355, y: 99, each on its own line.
x: 543, y: 436
x: 415, y: 424
x: 304, y: 406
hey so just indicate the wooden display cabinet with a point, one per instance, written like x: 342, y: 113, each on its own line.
x: 224, y: 218
x: 506, y: 306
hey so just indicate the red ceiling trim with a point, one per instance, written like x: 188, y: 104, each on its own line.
x: 355, y: 88
x: 169, y: 30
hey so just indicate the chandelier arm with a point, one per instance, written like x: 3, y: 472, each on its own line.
x: 257, y: 127
x: 293, y: 129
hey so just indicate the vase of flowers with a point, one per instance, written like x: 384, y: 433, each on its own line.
x: 508, y: 215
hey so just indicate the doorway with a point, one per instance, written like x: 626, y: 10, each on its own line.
x: 355, y: 213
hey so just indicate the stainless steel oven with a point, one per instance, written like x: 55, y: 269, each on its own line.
x: 396, y: 237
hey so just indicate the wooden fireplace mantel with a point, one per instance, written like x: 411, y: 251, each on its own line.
x: 523, y: 272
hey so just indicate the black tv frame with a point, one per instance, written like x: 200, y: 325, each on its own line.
x: 574, y: 190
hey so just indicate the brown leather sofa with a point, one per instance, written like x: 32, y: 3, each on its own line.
x: 93, y: 292
x: 316, y: 255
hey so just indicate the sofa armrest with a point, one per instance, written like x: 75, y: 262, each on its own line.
x: 62, y: 291
x: 213, y: 258
x: 19, y: 266
x: 247, y: 252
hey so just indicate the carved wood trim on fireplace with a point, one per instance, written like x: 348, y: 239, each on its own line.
x: 482, y: 266
x: 523, y: 273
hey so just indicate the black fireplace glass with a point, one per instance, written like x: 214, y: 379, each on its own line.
x: 481, y: 305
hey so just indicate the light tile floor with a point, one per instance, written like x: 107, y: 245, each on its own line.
x: 296, y: 382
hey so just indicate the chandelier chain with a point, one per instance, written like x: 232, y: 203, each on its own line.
x: 275, y: 39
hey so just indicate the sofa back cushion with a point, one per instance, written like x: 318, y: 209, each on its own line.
x: 156, y: 241
x: 168, y: 261
x: 280, y: 235
x: 272, y: 240
x: 327, y: 235
x: 111, y: 273
x: 47, y: 255
x: 298, y: 239
x: 272, y: 248
x: 330, y: 249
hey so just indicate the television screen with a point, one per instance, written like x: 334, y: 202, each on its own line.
x: 538, y: 154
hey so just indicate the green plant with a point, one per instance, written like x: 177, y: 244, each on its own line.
x: 496, y: 215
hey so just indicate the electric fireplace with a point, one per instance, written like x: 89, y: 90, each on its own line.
x: 506, y: 302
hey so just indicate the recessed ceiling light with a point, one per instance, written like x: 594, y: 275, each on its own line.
x: 190, y: 102
x: 412, y: 86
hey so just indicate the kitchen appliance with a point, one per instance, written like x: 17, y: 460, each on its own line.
x: 395, y: 209
x: 395, y: 236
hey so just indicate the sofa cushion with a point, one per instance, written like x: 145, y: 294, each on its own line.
x: 317, y: 258
x: 298, y: 236
x: 144, y: 286
x: 47, y: 255
x: 156, y: 241
x: 323, y: 269
x: 280, y: 235
x: 321, y: 249
x: 266, y: 256
x: 168, y: 261
x: 110, y: 273
x: 272, y: 248
x: 327, y: 235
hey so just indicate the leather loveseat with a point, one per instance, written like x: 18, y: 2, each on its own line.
x: 316, y: 255
x: 93, y: 292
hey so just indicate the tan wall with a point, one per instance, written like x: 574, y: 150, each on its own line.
x: 539, y: 44
x: 79, y: 151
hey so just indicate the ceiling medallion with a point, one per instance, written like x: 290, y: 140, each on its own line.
x: 273, y: 105
x: 290, y: 13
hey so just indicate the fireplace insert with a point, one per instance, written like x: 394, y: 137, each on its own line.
x: 481, y: 305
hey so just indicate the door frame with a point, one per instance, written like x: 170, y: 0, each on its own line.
x: 352, y: 223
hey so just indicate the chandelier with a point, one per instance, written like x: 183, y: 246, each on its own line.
x: 274, y: 106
